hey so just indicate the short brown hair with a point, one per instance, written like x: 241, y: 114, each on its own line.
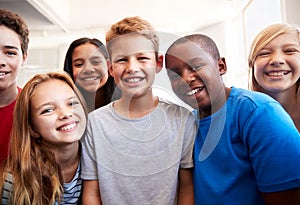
x: 14, y: 22
x: 132, y: 25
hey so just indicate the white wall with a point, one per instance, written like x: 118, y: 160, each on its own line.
x: 233, y: 37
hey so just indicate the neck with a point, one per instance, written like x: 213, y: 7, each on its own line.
x: 216, y: 103
x: 289, y: 98
x: 8, y: 95
x: 290, y: 101
x: 136, y: 107
x: 89, y: 98
x: 68, y: 159
x: 68, y: 155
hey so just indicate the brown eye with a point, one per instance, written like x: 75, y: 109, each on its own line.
x: 47, y: 110
x: 120, y: 60
x: 74, y: 102
x: 11, y: 53
x: 291, y: 50
x: 173, y: 75
x: 197, y: 67
x: 78, y: 64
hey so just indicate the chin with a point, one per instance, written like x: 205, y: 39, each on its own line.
x: 89, y: 89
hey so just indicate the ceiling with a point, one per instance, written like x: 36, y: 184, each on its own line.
x: 66, y: 17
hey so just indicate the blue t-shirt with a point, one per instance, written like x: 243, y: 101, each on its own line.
x: 249, y: 146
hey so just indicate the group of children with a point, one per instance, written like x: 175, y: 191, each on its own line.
x: 96, y: 133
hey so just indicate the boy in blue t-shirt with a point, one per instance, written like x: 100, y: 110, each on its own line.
x: 247, y: 149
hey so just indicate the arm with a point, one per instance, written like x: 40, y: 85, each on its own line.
x: 91, y: 193
x: 186, y: 187
x: 291, y: 197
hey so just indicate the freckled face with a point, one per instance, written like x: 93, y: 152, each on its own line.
x: 90, y: 68
x: 11, y: 57
x: 57, y: 115
x: 277, y: 65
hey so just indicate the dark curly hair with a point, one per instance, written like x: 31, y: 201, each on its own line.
x: 15, y: 22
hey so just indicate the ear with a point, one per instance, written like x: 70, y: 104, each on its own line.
x: 222, y: 66
x: 25, y: 55
x: 108, y: 63
x: 34, y: 134
x: 159, y: 63
x: 110, y: 69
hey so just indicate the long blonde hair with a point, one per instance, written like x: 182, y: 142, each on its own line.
x: 260, y: 41
x: 36, y: 173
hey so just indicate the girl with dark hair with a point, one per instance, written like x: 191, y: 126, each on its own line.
x: 87, y: 62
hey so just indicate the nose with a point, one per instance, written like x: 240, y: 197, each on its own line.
x: 188, y: 76
x: 65, y: 113
x: 277, y: 59
x: 88, y: 67
x: 132, y: 65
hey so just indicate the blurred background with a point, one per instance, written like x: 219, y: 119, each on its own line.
x: 232, y: 24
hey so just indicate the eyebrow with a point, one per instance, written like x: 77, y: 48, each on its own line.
x: 77, y: 59
x: 52, y: 102
x: 140, y: 52
x: 187, y: 63
x: 284, y: 44
x: 92, y: 57
x: 96, y: 58
x: 11, y: 47
x: 197, y: 59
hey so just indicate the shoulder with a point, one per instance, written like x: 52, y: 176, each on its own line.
x: 251, y: 105
x: 101, y: 110
x: 175, y: 112
x: 250, y: 98
x: 168, y: 105
x: 251, y: 95
x: 258, y: 108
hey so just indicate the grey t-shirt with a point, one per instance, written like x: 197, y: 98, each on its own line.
x: 137, y: 160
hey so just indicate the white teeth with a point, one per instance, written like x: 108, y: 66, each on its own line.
x: 91, y: 78
x: 133, y: 80
x: 277, y: 73
x: 68, y: 127
x: 2, y: 73
x: 192, y: 92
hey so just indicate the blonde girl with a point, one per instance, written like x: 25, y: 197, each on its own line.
x: 43, y: 166
x: 274, y: 66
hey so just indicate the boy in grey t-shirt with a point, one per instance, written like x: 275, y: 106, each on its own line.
x: 138, y: 149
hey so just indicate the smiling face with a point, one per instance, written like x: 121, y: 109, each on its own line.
x: 90, y: 68
x: 57, y: 115
x: 195, y: 76
x: 134, y: 64
x: 277, y: 65
x: 11, y: 58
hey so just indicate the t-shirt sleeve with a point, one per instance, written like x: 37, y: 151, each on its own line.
x: 190, y: 132
x: 274, y: 148
x: 7, y: 189
x: 88, y: 156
